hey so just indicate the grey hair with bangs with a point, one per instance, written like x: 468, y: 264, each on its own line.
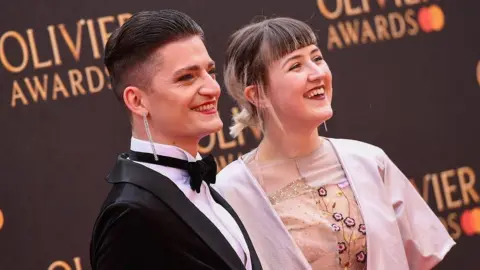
x: 250, y: 52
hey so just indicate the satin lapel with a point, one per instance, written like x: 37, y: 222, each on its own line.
x: 126, y: 171
x: 256, y: 265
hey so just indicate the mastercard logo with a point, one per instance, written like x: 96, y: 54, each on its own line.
x: 431, y: 18
x: 470, y: 221
x: 1, y: 219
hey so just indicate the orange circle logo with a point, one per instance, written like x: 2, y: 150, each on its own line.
x: 470, y: 221
x: 1, y: 219
x: 478, y: 73
x: 431, y: 18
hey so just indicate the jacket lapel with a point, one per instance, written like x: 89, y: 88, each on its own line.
x: 126, y: 171
x: 256, y: 265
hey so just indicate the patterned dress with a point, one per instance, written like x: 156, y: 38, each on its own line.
x: 315, y: 202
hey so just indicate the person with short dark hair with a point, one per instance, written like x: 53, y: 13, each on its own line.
x: 161, y: 212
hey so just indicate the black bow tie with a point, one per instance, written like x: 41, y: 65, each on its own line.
x: 205, y: 169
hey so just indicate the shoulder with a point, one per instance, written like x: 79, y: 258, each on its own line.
x: 230, y: 173
x: 354, y: 146
x: 235, y: 169
x: 133, y: 196
x: 358, y: 150
x: 233, y: 175
x: 129, y: 206
x: 120, y: 212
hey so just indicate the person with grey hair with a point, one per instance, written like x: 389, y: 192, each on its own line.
x: 161, y: 212
x: 308, y: 201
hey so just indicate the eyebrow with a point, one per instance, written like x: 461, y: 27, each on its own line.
x: 192, y: 68
x: 298, y: 56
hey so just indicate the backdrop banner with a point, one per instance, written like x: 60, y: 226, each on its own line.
x: 406, y: 78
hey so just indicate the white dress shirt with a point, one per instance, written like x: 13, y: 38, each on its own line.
x: 203, y: 200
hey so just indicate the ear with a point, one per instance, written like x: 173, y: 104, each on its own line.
x: 135, y: 100
x: 252, y: 94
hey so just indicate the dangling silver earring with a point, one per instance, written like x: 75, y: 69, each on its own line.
x: 147, y: 130
x: 325, y: 125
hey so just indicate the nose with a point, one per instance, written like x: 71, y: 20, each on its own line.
x: 316, y: 72
x: 210, y: 87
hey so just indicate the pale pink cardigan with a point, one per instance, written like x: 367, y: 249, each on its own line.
x: 403, y: 233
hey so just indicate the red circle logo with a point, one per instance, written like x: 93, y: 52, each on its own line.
x: 431, y: 18
x: 470, y: 221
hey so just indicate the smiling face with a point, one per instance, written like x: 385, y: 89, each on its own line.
x: 275, y: 71
x: 299, y: 89
x: 182, y: 97
x: 184, y: 92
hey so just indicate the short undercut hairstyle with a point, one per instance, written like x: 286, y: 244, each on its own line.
x: 129, y: 49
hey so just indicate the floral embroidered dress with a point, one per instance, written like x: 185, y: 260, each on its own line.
x: 315, y: 202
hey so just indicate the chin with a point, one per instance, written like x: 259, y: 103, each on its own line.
x: 323, y: 116
x: 212, y: 126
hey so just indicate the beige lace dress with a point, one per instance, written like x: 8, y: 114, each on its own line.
x: 315, y: 202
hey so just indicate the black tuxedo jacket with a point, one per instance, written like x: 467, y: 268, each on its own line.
x: 146, y: 222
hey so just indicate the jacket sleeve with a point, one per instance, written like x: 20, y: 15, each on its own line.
x: 425, y: 239
x: 123, y: 239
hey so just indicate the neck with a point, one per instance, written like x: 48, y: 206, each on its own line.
x: 278, y: 144
x: 190, y: 145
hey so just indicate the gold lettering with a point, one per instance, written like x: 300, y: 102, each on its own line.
x: 410, y: 19
x: 222, y: 143
x: 33, y: 47
x: 209, y: 147
x: 412, y: 2
x: 58, y: 86
x: 437, y: 191
x: 54, y: 43
x: 78, y: 265
x: 382, y: 27
x: 103, y: 30
x: 352, y: 11
x: 425, y: 189
x: 412, y: 181
x: 65, y: 266
x: 453, y: 223
x: 366, y: 6
x: 109, y: 85
x: 349, y: 33
x: 122, y: 18
x: 23, y: 46
x: 39, y: 88
x: 58, y: 264
x: 393, y: 18
x: 74, y: 48
x: 467, y: 187
x: 367, y: 32
x: 93, y: 39
x: 449, y: 189
x: 75, y: 77
x: 17, y: 93
x: 331, y: 15
x: 381, y: 3
x: 333, y: 38
x: 101, y: 81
